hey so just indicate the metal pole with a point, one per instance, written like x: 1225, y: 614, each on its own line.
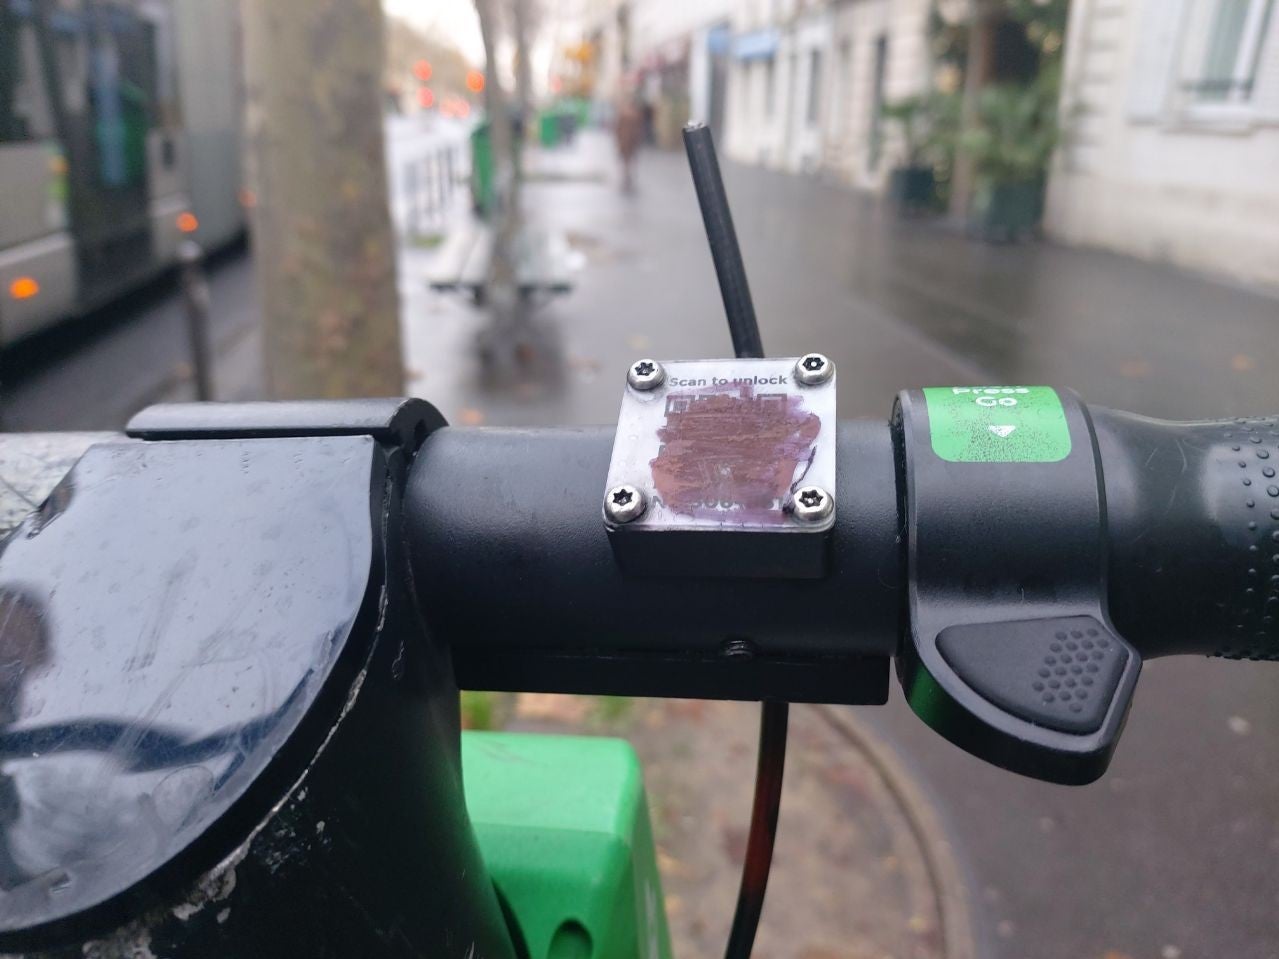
x: 430, y: 162
x: 742, y: 325
x: 427, y: 194
x: 410, y: 200
x: 195, y: 298
x: 441, y: 182
x: 449, y: 152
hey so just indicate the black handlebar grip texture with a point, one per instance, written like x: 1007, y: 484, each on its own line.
x: 1193, y: 520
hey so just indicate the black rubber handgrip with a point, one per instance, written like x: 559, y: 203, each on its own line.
x: 1193, y: 523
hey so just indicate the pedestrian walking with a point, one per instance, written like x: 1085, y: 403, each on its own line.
x: 629, y: 129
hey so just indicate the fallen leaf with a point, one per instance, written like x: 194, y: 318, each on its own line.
x: 693, y: 709
x: 918, y: 924
x: 584, y: 363
x: 552, y: 706
x: 670, y: 866
x: 854, y: 778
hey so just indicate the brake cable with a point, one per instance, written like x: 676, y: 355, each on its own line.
x: 774, y: 715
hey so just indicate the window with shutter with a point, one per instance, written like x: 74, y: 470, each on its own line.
x: 1153, y: 65
x: 1224, y: 67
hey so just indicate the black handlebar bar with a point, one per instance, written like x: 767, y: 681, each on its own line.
x: 511, y: 556
x: 1020, y: 599
x: 1193, y: 519
x: 513, y: 564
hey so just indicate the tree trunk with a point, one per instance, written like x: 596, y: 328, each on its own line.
x: 500, y: 292
x: 523, y: 72
x: 321, y: 226
x: 977, y: 72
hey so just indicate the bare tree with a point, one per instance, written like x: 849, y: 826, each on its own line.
x: 321, y: 228
x: 501, y: 291
x: 522, y: 19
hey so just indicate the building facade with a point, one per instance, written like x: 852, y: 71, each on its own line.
x: 1170, y: 108
x: 1172, y: 144
x: 671, y: 54
x: 809, y: 82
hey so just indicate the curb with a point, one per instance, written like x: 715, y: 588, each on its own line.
x: 946, y: 875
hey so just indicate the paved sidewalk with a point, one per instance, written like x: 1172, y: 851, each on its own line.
x: 97, y: 372
x: 896, y: 303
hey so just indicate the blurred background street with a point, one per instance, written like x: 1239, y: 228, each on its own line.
x: 1144, y: 273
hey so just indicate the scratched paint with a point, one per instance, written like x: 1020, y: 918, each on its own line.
x: 727, y: 450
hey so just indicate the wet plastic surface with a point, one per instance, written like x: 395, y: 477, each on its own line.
x: 32, y: 464
x: 167, y: 620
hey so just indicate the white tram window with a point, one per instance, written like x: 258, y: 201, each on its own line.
x: 24, y: 99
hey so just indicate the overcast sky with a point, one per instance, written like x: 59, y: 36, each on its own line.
x: 452, y: 20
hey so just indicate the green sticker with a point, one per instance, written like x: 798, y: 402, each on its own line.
x: 997, y: 424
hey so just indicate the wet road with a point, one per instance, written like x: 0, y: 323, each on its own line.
x: 97, y: 372
x: 1176, y: 852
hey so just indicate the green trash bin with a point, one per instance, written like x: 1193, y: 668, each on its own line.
x: 548, y: 127
x: 481, y: 169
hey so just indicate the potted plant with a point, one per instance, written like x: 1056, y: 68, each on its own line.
x: 912, y: 187
x: 1011, y: 145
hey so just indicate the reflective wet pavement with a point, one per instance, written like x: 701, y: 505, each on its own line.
x: 895, y: 303
x: 95, y: 373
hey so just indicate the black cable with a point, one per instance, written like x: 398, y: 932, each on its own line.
x: 759, y: 846
x: 734, y: 289
x: 773, y: 716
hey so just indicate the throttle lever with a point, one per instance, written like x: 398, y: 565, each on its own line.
x: 1010, y: 652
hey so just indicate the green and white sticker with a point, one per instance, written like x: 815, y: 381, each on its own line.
x: 997, y: 424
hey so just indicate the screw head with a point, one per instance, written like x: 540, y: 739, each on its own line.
x: 812, y: 504
x: 624, y: 504
x: 813, y: 369
x: 646, y: 374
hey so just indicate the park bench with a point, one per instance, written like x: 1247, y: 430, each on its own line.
x: 542, y: 262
